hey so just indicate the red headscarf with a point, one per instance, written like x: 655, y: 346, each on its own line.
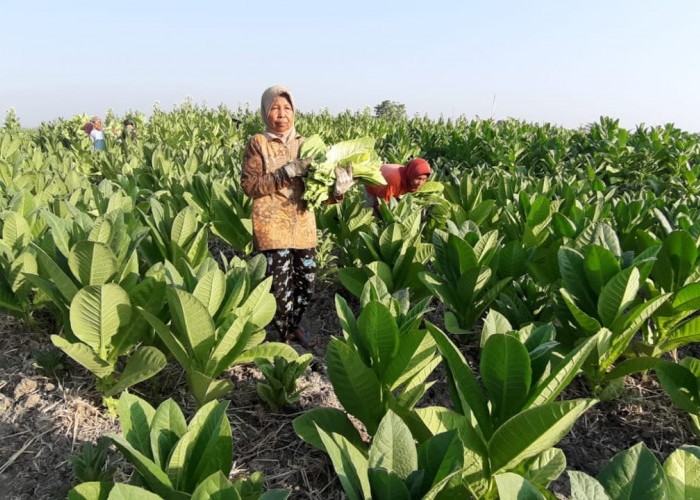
x: 415, y: 168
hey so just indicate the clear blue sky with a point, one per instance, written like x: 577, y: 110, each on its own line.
x: 562, y: 62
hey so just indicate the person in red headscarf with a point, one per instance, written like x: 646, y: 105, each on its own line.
x: 400, y: 180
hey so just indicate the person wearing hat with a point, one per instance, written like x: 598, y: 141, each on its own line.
x: 400, y: 180
x: 284, y: 229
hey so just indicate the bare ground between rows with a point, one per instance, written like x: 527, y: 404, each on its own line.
x: 46, y: 418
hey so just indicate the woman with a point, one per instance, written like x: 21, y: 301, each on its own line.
x: 283, y: 229
x: 96, y: 134
x: 399, y: 181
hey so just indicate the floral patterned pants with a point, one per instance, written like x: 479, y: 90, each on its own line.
x: 293, y: 273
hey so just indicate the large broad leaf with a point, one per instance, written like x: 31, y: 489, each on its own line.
x: 379, y: 335
x: 356, y: 385
x: 470, y: 396
x: 682, y: 469
x: 84, y: 355
x: 96, y: 314
x: 588, y: 323
x: 205, y: 448
x: 675, y: 261
x: 440, y: 456
x: 330, y: 420
x: 112, y: 491
x: 49, y: 270
x: 687, y: 298
x: 634, y: 473
x: 515, y: 487
x: 92, y: 263
x: 585, y: 487
x: 205, y: 388
x: 680, y: 384
x: 210, y: 290
x: 260, y: 303
x: 135, y: 417
x: 184, y: 227
x: 141, y: 365
x: 156, y: 479
x: 216, y: 487
x: 682, y: 334
x: 354, y: 279
x: 600, y: 265
x: 506, y: 374
x: 393, y: 448
x: 267, y: 351
x: 168, y: 425
x: 387, y: 484
x: 571, y: 268
x: 532, y: 431
x: 562, y: 374
x: 545, y: 467
x: 617, y: 295
x: 192, y: 321
x: 349, y: 463
x: 175, y: 347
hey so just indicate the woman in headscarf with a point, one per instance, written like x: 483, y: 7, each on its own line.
x: 96, y: 133
x: 283, y: 229
x: 399, y: 180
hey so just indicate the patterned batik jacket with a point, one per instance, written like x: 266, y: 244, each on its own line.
x: 280, y: 217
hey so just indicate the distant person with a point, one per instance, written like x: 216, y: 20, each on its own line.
x: 399, y: 181
x: 129, y: 131
x: 95, y: 132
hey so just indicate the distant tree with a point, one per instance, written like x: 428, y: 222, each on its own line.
x: 390, y: 109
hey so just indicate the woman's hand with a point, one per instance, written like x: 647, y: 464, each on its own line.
x: 343, y: 180
x: 297, y: 168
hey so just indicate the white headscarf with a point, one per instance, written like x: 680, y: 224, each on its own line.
x: 266, y: 101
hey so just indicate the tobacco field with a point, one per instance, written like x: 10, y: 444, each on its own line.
x: 524, y: 326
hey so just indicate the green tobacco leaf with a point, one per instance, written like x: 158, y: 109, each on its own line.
x: 210, y: 290
x: 267, y: 351
x: 168, y: 425
x: 175, y: 347
x: 135, y: 416
x: 96, y: 314
x: 545, y: 467
x: 515, y: 487
x: 332, y: 421
x: 600, y: 265
x: 92, y: 263
x: 192, y: 321
x: 634, y: 473
x: 49, y: 270
x: 216, y: 487
x: 156, y: 480
x: 617, y: 295
x: 682, y: 469
x: 680, y: 384
x: 355, y: 384
x: 379, y: 335
x: 206, y: 389
x: 349, y: 463
x: 533, y: 431
x: 585, y: 487
x: 206, y: 447
x: 393, y: 448
x: 469, y: 392
x: 506, y: 374
x: 84, y: 355
x: 140, y: 366
x: 387, y: 484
